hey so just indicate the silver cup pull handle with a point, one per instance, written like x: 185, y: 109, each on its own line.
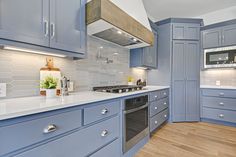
x: 104, y: 111
x: 50, y: 128
x: 221, y: 104
x: 104, y: 133
x: 221, y: 116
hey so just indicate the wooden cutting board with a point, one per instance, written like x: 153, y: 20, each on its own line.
x: 50, y: 70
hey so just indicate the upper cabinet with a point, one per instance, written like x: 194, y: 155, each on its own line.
x: 53, y: 25
x: 25, y: 21
x: 145, y: 57
x: 186, y: 31
x: 219, y: 35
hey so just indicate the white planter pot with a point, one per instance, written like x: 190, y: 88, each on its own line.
x: 51, y: 93
x: 130, y: 83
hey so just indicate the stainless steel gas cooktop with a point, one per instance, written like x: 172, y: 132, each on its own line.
x: 118, y: 88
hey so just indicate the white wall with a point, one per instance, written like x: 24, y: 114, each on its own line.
x: 219, y: 15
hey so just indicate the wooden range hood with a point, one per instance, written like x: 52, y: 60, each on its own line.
x: 107, y: 21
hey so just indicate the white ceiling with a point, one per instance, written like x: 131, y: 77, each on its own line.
x: 162, y: 9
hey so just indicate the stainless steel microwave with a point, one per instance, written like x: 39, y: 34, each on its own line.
x: 224, y: 57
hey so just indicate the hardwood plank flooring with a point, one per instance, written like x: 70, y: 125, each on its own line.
x: 191, y: 140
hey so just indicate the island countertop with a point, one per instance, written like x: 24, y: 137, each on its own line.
x: 17, y: 107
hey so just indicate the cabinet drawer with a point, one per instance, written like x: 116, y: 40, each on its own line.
x: 158, y: 106
x: 154, y: 96
x: 218, y: 114
x: 164, y: 93
x: 221, y: 103
x: 111, y: 150
x: 158, y: 119
x: 219, y: 93
x: 27, y: 133
x: 101, y: 111
x: 80, y: 143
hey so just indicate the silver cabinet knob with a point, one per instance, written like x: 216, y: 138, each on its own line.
x: 155, y: 96
x: 104, y: 111
x: 221, y: 104
x: 104, y: 133
x: 221, y: 115
x: 50, y: 128
x: 165, y: 103
x: 165, y: 115
x: 164, y: 93
x: 222, y: 94
x: 155, y: 122
x: 156, y: 108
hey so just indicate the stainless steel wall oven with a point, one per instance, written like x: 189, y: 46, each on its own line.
x: 135, y: 120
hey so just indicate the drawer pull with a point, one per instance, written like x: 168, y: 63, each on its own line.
x: 222, y: 94
x: 165, y: 103
x: 221, y: 104
x: 155, y: 96
x: 221, y: 116
x: 50, y: 128
x: 104, y: 133
x: 155, y: 122
x: 165, y: 115
x: 164, y: 93
x: 104, y: 111
x: 156, y: 108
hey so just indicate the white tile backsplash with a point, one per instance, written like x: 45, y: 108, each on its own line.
x: 227, y: 77
x: 21, y: 70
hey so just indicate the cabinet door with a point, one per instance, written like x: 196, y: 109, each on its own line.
x: 192, y: 64
x: 25, y: 21
x: 229, y: 35
x: 186, y: 31
x: 150, y: 54
x: 67, y: 25
x: 211, y: 38
x: 178, y: 82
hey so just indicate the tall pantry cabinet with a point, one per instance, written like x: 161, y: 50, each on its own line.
x: 179, y: 66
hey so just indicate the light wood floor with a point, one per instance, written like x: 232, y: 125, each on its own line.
x: 191, y: 140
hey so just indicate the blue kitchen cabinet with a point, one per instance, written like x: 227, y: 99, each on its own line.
x: 67, y: 25
x: 145, y: 57
x: 218, y: 106
x: 80, y: 143
x: 219, y: 34
x: 25, y: 21
x: 179, y: 66
x: 158, y: 108
x: 185, y: 79
x: 186, y: 31
x: 211, y: 38
x: 53, y: 26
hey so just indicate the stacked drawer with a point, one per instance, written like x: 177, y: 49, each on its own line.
x: 159, y: 108
x: 219, y: 104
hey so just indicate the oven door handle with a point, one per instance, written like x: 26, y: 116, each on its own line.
x: 136, y: 109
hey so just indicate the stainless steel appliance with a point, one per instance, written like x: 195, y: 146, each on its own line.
x: 118, y: 88
x: 224, y: 57
x: 135, y: 121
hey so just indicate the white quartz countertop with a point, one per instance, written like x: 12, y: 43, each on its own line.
x: 17, y: 107
x: 218, y: 87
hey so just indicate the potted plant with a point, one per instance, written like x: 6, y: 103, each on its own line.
x: 50, y: 85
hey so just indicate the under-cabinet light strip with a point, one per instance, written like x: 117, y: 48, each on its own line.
x: 31, y: 51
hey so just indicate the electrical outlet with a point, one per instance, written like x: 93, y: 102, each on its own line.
x: 3, y: 90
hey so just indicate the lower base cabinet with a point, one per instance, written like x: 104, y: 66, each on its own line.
x: 158, y: 119
x: 219, y: 105
x: 80, y: 143
x: 111, y: 150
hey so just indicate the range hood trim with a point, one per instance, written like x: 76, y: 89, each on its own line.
x: 99, y: 18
